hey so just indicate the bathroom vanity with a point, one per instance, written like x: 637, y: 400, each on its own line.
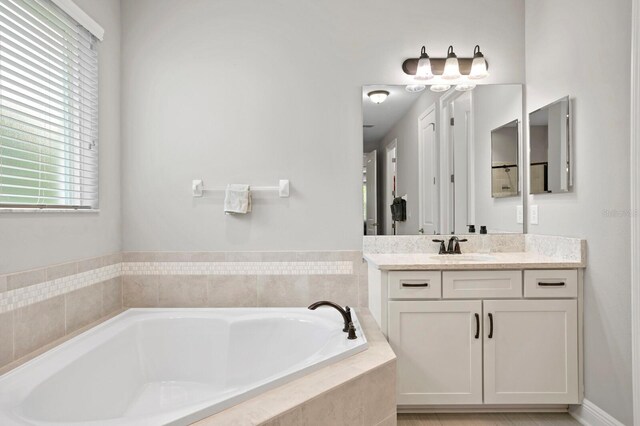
x: 482, y: 331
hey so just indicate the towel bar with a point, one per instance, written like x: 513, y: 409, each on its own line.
x: 198, y: 189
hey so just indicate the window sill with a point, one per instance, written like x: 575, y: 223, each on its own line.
x: 52, y: 210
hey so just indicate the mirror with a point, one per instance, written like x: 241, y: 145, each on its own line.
x: 437, y: 162
x: 550, y: 141
x: 504, y: 160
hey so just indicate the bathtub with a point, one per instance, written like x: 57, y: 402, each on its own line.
x: 172, y: 366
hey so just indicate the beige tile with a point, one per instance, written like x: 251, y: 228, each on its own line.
x: 182, y: 291
x: 290, y: 418
x: 243, y: 256
x: 326, y: 256
x: 83, y: 306
x: 90, y: 264
x: 283, y: 290
x: 3, y: 283
x: 140, y: 291
x: 380, y: 404
x: 341, y: 289
x: 279, y: 256
x: 207, y: 256
x: 61, y: 271
x: 112, y: 259
x: 6, y: 338
x: 363, y: 291
x: 38, y: 324
x: 25, y: 279
x: 111, y: 295
x: 233, y: 291
x: 343, y: 406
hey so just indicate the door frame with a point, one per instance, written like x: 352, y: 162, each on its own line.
x: 388, y: 183
x: 436, y: 164
x: 635, y: 208
x: 374, y: 153
x: 446, y: 154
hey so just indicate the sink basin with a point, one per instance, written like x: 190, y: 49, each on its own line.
x: 468, y: 257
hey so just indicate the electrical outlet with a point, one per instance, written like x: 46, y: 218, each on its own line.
x: 519, y: 214
x: 533, y: 214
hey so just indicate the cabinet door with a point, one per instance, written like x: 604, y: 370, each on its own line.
x: 439, y: 350
x: 530, y: 352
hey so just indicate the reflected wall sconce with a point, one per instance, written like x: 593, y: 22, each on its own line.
x: 378, y: 96
x: 448, y: 69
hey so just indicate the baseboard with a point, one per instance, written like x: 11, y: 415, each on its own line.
x: 590, y: 414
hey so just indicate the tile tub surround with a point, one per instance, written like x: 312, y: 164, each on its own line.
x: 360, y: 390
x: 42, y: 305
x: 562, y: 249
x: 247, y: 279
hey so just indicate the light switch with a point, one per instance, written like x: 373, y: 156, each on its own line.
x: 519, y: 214
x: 533, y: 214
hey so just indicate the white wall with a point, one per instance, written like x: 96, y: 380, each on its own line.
x: 31, y: 240
x: 493, y: 107
x: 582, y: 48
x: 253, y: 91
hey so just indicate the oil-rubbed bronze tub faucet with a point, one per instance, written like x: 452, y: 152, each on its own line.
x: 346, y: 316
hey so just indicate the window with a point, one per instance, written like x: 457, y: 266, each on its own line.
x: 48, y: 108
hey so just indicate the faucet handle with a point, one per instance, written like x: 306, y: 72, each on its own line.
x: 456, y: 248
x: 443, y: 250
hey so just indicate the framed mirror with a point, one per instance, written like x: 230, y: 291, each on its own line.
x: 428, y: 159
x: 505, y: 142
x: 550, y: 148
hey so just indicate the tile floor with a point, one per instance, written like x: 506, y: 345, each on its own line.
x: 498, y: 419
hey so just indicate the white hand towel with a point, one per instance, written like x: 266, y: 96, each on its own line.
x: 237, y: 199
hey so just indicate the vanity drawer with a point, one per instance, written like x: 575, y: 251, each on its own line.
x: 551, y: 283
x: 415, y: 284
x: 481, y: 284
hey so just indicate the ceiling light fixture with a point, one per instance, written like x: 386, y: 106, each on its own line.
x: 415, y: 88
x: 378, y: 96
x: 439, y: 87
x: 479, y: 65
x: 423, y: 72
x: 451, y: 66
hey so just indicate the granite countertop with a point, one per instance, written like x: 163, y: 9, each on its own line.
x: 469, y: 261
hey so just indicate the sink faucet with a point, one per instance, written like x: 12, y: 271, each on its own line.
x: 346, y: 316
x: 453, y: 247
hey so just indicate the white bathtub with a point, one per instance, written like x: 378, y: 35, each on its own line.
x: 172, y: 366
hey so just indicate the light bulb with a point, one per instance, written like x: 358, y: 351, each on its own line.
x: 478, y: 66
x: 465, y: 87
x: 451, y: 67
x: 415, y: 88
x: 378, y: 96
x: 423, y: 72
x: 439, y: 87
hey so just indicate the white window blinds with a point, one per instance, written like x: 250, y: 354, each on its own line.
x: 48, y: 108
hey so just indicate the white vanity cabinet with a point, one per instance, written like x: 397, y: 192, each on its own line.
x: 487, y: 339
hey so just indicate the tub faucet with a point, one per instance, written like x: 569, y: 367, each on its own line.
x: 346, y: 316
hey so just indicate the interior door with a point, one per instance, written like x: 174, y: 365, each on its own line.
x: 371, y: 192
x: 438, y: 345
x: 531, y: 352
x: 428, y: 159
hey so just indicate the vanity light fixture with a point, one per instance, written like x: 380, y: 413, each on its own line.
x: 423, y: 72
x: 378, y: 96
x: 451, y: 66
x: 479, y: 65
x: 465, y: 87
x: 415, y: 88
x: 439, y: 87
